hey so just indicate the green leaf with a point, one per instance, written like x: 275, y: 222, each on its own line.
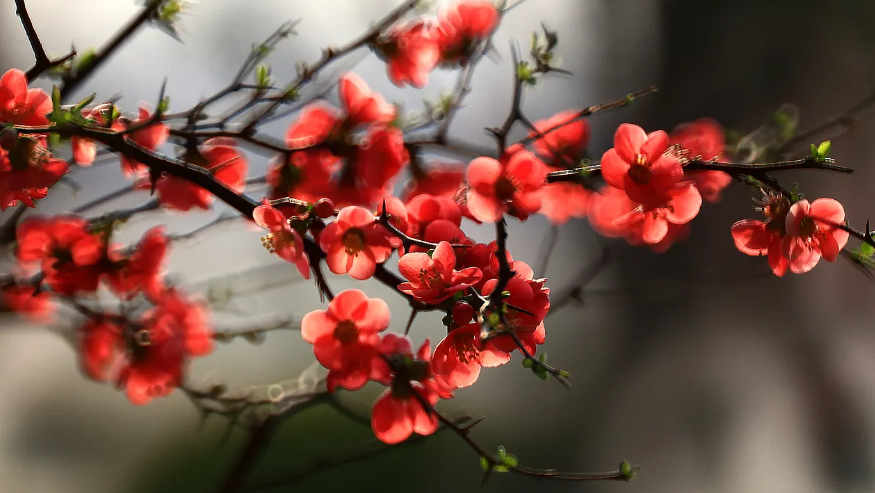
x: 814, y: 153
x: 84, y: 60
x: 85, y: 102
x: 262, y: 76
x: 867, y: 250
x: 511, y: 461
x: 484, y: 463
x: 823, y: 148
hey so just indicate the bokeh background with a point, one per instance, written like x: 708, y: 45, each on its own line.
x: 697, y: 364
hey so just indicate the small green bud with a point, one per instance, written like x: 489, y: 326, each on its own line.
x: 484, y: 463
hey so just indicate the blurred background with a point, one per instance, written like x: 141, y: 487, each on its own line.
x: 697, y: 364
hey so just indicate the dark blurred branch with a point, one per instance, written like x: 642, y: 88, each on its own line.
x: 42, y: 61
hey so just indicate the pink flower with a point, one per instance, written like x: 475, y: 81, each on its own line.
x: 812, y: 233
x: 513, y: 185
x: 355, y: 243
x: 434, y: 279
x: 345, y: 336
x: 757, y: 238
x: 613, y: 214
x: 381, y: 157
x: 282, y: 239
x: 438, y: 180
x: 639, y: 165
x: 458, y: 358
x: 562, y: 201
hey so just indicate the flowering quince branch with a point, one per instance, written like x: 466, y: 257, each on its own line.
x: 330, y: 203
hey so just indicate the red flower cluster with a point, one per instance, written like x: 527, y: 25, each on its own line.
x: 27, y: 168
x: 412, y: 50
x: 351, y: 157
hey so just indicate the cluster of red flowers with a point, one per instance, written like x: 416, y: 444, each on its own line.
x: 414, y: 49
x: 145, y: 354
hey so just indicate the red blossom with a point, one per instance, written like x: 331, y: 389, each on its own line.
x: 433, y: 279
x: 463, y: 27
x: 411, y: 51
x: 533, y: 300
x: 147, y: 358
x: 639, y: 165
x: 460, y: 355
x: 812, y: 233
x: 346, y: 335
x: 703, y: 139
x: 381, y: 157
x: 69, y: 254
x: 355, y: 243
x: 141, y: 271
x: 20, y: 105
x: 362, y: 105
x: 27, y: 171
x: 757, y: 238
x: 84, y: 149
x: 513, y: 185
x: 613, y: 214
x: 564, y: 146
x: 282, y: 239
x: 439, y: 180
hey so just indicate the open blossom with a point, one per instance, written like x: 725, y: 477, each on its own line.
x: 399, y: 412
x: 362, y: 105
x: 794, y: 237
x: 565, y: 145
x: 613, y: 214
x: 69, y: 255
x: 462, y: 27
x: 432, y: 279
x: 410, y: 51
x: 20, y: 105
x: 282, y: 239
x: 532, y: 296
x: 227, y: 165
x: 151, y: 137
x: 346, y: 335
x: 27, y: 171
x: 703, y: 139
x: 440, y: 180
x: 141, y: 271
x: 381, y: 157
x: 147, y: 358
x: 355, y: 243
x: 639, y: 165
x: 459, y: 356
x: 513, y: 185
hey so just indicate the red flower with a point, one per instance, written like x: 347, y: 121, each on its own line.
x: 345, y: 336
x: 226, y: 164
x: 613, y: 214
x: 30, y: 304
x: 381, y: 157
x: 140, y: 272
x: 282, y: 239
x: 513, y: 185
x: 812, y: 233
x: 564, y: 145
x: 302, y: 175
x: 27, y: 170
x: 148, y: 359
x: 562, y: 201
x: 355, y: 243
x: 399, y: 411
x: 362, y: 105
x: 68, y: 253
x: 458, y: 358
x: 440, y: 181
x: 20, y: 105
x: 411, y: 52
x: 151, y: 137
x: 757, y: 238
x: 434, y: 279
x: 703, y: 139
x: 463, y: 27
x: 639, y: 165
x: 425, y: 209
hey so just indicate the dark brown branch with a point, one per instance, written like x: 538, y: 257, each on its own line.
x: 42, y: 62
